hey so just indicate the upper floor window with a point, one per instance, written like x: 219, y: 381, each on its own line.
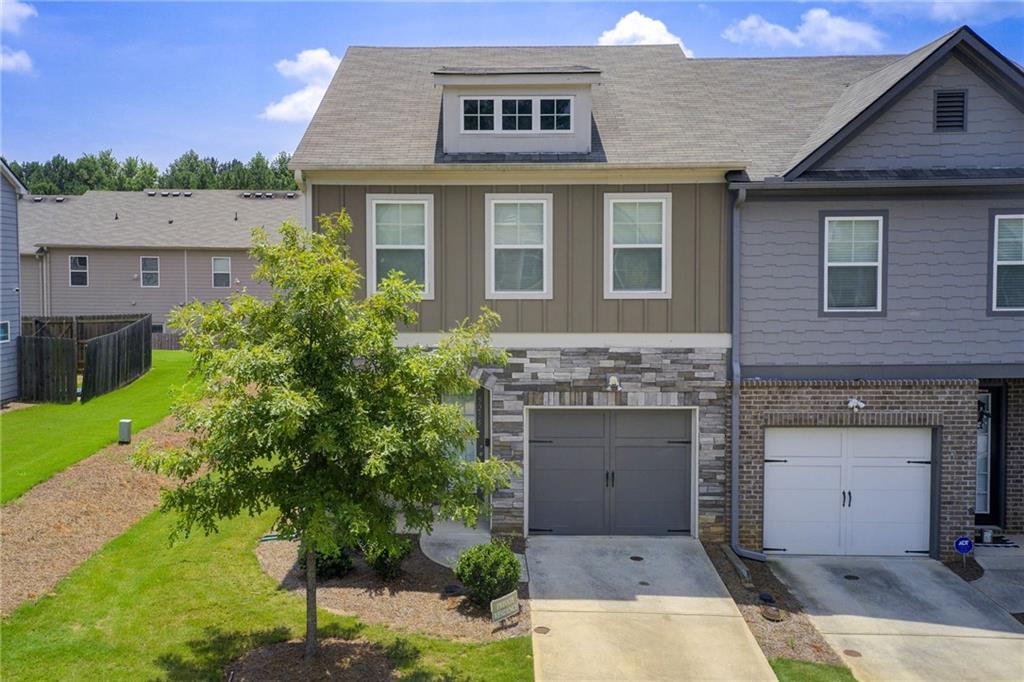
x: 556, y: 114
x: 5, y: 331
x: 78, y: 271
x: 149, y: 271
x: 852, y: 269
x: 1008, y: 264
x: 221, y: 266
x: 477, y: 114
x: 518, y: 241
x: 401, y: 229
x: 637, y: 238
x: 517, y: 114
x: 950, y: 111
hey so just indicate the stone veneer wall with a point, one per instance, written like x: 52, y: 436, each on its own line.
x: 1015, y: 456
x: 950, y: 405
x: 648, y: 377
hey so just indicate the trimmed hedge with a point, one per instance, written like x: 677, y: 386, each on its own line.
x: 488, y: 571
x: 386, y: 560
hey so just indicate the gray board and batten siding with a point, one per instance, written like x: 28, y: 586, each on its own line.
x: 700, y: 251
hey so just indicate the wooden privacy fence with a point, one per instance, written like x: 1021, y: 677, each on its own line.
x: 79, y: 328
x: 117, y: 358
x: 47, y: 369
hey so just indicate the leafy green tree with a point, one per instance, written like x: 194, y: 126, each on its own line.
x: 259, y: 174
x: 283, y: 176
x: 307, y: 405
x: 136, y: 174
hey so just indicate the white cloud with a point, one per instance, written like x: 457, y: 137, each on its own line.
x: 639, y: 29
x: 15, y: 61
x: 14, y: 13
x: 314, y: 68
x: 818, y: 29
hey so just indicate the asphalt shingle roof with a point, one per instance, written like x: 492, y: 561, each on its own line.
x: 207, y: 219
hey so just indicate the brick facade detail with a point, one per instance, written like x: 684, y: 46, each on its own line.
x: 1014, y: 456
x: 950, y: 406
x: 649, y: 377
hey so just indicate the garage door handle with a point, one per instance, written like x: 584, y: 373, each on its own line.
x: 606, y: 479
x: 849, y: 502
x: 844, y: 498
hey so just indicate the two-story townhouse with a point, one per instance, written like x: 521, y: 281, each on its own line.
x: 10, y: 291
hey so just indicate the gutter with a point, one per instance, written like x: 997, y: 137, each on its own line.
x: 734, y: 479
x: 791, y: 186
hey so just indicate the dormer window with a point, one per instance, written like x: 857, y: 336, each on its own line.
x: 556, y: 114
x: 517, y: 114
x: 477, y: 114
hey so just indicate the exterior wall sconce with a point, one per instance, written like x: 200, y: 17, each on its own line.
x: 856, y: 404
x: 613, y: 383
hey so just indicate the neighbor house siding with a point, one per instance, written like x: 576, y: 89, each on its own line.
x: 700, y: 296
x: 31, y: 285
x: 937, y: 288
x: 10, y: 308
x: 904, y: 136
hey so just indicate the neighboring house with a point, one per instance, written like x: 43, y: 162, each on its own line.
x: 142, y: 252
x: 10, y: 300
x: 590, y: 196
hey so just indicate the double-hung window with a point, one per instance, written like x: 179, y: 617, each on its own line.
x: 1008, y: 264
x: 221, y: 266
x: 518, y: 245
x: 78, y: 271
x: 852, y: 273
x: 401, y: 238
x: 149, y: 271
x: 5, y: 331
x: 637, y: 245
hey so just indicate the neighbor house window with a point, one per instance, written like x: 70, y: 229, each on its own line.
x: 157, y: 329
x: 852, y: 270
x: 477, y: 114
x: 1008, y: 264
x: 149, y: 271
x: 401, y: 237
x: 518, y: 246
x: 517, y: 114
x: 637, y: 240
x: 221, y: 271
x: 78, y: 267
x: 5, y: 331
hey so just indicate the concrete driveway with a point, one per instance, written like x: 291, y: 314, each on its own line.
x: 906, y: 619
x: 598, y: 614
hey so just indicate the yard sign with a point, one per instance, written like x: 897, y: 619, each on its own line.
x: 505, y: 607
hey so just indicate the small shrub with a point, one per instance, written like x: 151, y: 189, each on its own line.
x: 386, y: 561
x: 328, y: 566
x: 488, y: 571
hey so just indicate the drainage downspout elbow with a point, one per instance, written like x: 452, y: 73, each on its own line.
x: 734, y: 479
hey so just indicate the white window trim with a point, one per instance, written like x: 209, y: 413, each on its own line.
x: 88, y: 278
x: 7, y: 324
x: 213, y: 272
x: 547, y: 292
x: 610, y: 199
x: 497, y: 99
x: 877, y: 264
x: 142, y: 278
x: 371, y: 238
x: 996, y: 262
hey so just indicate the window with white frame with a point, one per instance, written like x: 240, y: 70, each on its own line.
x: 517, y: 114
x: 852, y: 270
x: 637, y: 239
x: 221, y: 266
x: 518, y: 245
x: 522, y: 114
x: 401, y: 238
x: 477, y: 115
x: 78, y: 271
x: 149, y: 271
x: 5, y: 331
x: 1008, y: 264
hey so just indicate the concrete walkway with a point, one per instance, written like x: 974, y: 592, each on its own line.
x: 1003, y: 581
x: 452, y: 538
x: 598, y: 614
x: 906, y: 619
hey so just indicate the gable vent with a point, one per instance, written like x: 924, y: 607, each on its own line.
x: 950, y: 110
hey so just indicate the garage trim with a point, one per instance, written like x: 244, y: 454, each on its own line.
x: 694, y: 453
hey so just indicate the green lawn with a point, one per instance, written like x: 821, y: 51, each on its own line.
x: 39, y: 441
x: 141, y: 610
x: 788, y: 670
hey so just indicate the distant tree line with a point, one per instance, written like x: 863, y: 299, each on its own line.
x: 103, y: 171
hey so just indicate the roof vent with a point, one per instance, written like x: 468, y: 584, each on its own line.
x: 59, y: 200
x: 188, y: 194
x: 165, y: 193
x: 950, y: 110
x: 37, y: 199
x: 246, y: 194
x: 270, y: 195
x: 151, y: 193
x: 175, y: 194
x: 290, y: 195
x: 259, y: 195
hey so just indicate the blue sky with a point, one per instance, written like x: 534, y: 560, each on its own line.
x: 230, y: 79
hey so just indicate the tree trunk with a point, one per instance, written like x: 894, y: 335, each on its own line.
x: 310, y: 604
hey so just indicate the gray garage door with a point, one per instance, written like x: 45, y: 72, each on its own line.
x: 610, y: 472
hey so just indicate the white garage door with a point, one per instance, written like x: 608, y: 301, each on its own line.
x: 861, y: 491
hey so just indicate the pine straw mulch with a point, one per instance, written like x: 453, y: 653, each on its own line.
x: 415, y: 601
x: 795, y: 636
x: 62, y: 521
x: 337, y: 659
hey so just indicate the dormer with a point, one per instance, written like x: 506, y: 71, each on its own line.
x: 513, y: 110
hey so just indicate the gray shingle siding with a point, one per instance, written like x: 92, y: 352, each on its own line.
x: 9, y: 283
x: 936, y: 308
x: 904, y: 137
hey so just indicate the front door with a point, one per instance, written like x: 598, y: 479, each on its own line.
x: 988, y: 494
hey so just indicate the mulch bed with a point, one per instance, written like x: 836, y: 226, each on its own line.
x: 61, y: 522
x: 794, y: 636
x: 338, y: 659
x: 970, y: 570
x: 415, y: 601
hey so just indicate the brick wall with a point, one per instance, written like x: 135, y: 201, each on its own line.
x: 947, y: 405
x: 1015, y: 456
x: 648, y: 377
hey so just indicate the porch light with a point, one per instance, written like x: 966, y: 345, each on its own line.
x: 613, y: 383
